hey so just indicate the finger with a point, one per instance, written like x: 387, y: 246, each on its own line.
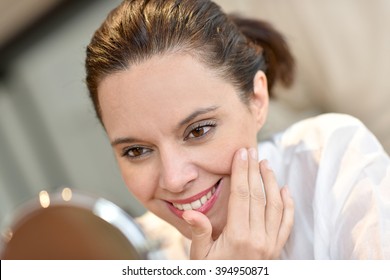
x: 238, y: 209
x: 201, y: 230
x: 287, y: 219
x: 257, y: 195
x: 274, y: 203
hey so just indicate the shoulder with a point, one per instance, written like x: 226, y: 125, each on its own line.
x: 317, y: 132
x: 320, y: 142
x: 335, y: 133
x: 338, y: 175
x: 329, y: 121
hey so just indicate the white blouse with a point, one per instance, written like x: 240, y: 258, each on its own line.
x: 339, y: 177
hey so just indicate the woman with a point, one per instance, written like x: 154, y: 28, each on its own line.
x: 182, y: 90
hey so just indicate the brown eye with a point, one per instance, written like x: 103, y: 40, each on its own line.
x: 198, y: 132
x: 136, y: 152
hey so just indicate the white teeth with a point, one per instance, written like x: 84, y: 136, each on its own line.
x: 187, y: 207
x: 195, y: 204
x: 203, y: 199
x: 178, y: 206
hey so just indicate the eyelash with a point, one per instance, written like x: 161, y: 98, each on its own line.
x: 127, y: 150
x: 199, y: 125
x: 202, y: 124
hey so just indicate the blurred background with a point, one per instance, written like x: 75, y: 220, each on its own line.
x: 50, y: 138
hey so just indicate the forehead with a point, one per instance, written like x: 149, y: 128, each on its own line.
x: 163, y: 87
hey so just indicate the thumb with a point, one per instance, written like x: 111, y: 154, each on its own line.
x: 201, y: 234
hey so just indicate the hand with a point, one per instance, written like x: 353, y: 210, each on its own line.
x: 259, y: 220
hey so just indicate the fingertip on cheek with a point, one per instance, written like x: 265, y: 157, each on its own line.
x: 253, y: 153
x: 243, y: 154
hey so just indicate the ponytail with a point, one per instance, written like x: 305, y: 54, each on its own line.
x: 278, y: 58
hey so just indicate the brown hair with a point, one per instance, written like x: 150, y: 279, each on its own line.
x: 235, y: 47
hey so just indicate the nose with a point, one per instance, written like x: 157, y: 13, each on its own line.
x: 177, y: 170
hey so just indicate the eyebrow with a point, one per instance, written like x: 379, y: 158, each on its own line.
x: 123, y: 140
x: 197, y: 113
x: 189, y: 118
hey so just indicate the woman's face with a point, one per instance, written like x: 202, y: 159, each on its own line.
x: 174, y: 126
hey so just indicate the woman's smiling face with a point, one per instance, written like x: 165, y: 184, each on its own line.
x: 174, y: 126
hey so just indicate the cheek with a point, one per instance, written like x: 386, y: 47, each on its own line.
x: 136, y: 183
x: 220, y: 154
x: 219, y: 157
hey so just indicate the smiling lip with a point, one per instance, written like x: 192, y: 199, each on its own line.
x: 202, y: 202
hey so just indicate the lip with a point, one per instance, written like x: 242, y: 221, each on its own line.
x: 204, y: 208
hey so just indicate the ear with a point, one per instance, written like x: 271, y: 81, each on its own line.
x: 260, y: 99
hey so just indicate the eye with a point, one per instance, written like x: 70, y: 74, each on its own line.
x: 199, y: 130
x: 136, y: 152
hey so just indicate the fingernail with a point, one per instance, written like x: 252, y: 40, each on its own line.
x: 253, y: 153
x: 266, y: 165
x: 188, y: 221
x: 244, y: 154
